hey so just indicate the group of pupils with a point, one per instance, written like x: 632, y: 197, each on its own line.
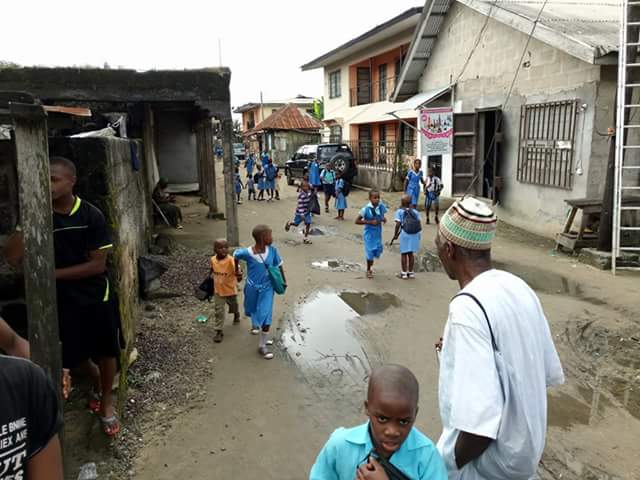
x: 266, y: 178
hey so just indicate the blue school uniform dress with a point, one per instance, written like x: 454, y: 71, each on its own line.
x: 341, y: 200
x: 347, y: 449
x: 264, y: 159
x: 238, y: 183
x: 249, y: 164
x: 261, y: 183
x: 413, y: 185
x: 258, y: 290
x: 409, y: 242
x: 314, y: 174
x: 270, y: 173
x: 373, y: 233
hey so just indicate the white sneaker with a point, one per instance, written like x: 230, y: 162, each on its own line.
x: 255, y: 331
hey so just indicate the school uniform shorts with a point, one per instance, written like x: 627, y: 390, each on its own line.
x: 329, y: 190
x: 432, y: 199
x: 299, y: 218
x: 219, y: 304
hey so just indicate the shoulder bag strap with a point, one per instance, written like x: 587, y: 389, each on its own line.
x: 472, y: 297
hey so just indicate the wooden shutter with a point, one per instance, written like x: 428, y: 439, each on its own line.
x: 465, y: 127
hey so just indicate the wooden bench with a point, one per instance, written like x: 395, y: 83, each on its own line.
x: 572, y: 240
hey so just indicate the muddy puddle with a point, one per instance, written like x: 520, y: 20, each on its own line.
x: 593, y: 404
x: 337, y: 265
x: 328, y: 336
x: 549, y: 282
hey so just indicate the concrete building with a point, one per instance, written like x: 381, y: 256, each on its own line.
x: 283, y: 132
x: 254, y: 113
x: 547, y: 141
x: 359, y: 78
x: 164, y: 108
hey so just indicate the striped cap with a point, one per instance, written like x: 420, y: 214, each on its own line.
x: 469, y: 223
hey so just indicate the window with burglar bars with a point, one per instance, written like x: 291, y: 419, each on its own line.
x: 546, y: 147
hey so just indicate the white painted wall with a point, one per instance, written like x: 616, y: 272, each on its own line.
x: 549, y: 75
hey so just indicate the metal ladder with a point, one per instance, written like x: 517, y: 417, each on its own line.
x: 626, y: 227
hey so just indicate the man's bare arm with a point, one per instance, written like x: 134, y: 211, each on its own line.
x: 96, y: 265
x: 47, y: 463
x: 11, y: 343
x: 469, y: 447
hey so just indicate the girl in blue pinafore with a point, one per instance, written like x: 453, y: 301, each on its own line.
x: 341, y: 199
x: 314, y: 174
x: 409, y: 242
x: 258, y: 290
x: 249, y: 164
x: 372, y: 216
x: 412, y: 182
x: 260, y: 182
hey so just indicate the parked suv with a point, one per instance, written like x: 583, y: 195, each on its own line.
x: 338, y: 154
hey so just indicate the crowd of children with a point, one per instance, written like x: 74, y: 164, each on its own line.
x: 260, y: 177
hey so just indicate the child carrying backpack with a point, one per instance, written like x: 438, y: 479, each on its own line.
x: 408, y: 229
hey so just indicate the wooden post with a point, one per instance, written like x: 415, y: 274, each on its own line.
x: 32, y: 152
x: 210, y: 159
x: 231, y: 208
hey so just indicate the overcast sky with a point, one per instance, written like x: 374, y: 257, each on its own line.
x: 263, y: 42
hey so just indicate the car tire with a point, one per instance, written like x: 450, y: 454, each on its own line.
x: 342, y: 163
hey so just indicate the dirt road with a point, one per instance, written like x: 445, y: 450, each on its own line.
x: 271, y: 417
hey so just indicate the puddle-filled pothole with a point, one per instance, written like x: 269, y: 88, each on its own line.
x: 327, y: 334
x: 549, y: 282
x: 337, y: 265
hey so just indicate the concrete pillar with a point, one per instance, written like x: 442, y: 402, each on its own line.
x: 231, y: 208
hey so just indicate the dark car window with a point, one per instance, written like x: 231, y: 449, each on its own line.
x: 326, y: 153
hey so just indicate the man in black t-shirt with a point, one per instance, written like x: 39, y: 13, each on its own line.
x: 29, y: 423
x: 88, y: 326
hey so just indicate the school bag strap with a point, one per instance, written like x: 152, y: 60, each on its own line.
x: 484, y: 312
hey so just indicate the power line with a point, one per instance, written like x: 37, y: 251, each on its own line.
x: 507, y: 97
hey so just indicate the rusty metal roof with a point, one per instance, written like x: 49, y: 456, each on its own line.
x: 289, y: 117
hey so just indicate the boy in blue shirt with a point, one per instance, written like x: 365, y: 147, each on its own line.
x: 372, y: 217
x: 388, y: 442
x: 258, y: 289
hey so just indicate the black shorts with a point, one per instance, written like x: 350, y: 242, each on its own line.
x: 88, y: 332
x: 329, y: 190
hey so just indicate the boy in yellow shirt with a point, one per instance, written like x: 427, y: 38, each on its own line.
x: 226, y: 273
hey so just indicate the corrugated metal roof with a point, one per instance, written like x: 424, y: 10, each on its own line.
x: 289, y: 117
x: 299, y: 100
x: 585, y: 29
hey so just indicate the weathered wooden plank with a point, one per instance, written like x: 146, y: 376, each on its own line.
x: 34, y: 194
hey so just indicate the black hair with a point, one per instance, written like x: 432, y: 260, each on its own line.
x: 64, y: 163
x: 259, y: 231
x: 397, y: 378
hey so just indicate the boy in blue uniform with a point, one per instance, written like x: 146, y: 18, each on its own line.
x: 432, y: 188
x: 408, y: 229
x: 412, y: 182
x: 238, y: 186
x: 258, y: 179
x: 388, y: 442
x: 258, y: 290
x: 249, y: 164
x: 270, y: 173
x: 372, y: 217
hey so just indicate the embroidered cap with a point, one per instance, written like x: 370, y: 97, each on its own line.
x: 469, y: 223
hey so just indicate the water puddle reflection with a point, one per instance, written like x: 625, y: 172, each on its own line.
x: 337, y: 265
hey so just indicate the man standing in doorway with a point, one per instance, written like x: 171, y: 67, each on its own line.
x: 88, y: 324
x: 497, y: 357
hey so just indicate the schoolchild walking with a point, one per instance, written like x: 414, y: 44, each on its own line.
x: 251, y: 188
x: 225, y: 271
x: 408, y: 229
x: 314, y: 174
x: 432, y: 187
x: 341, y: 196
x: 372, y: 216
x: 270, y: 173
x: 303, y: 211
x: 258, y: 179
x: 413, y: 181
x: 328, y: 181
x: 259, y: 289
x: 277, y: 182
x: 239, y: 186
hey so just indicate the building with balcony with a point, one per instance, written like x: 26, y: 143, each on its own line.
x: 359, y: 79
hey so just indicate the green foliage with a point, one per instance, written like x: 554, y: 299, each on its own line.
x: 318, y: 108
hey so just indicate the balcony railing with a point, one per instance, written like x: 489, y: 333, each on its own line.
x: 380, y: 155
x: 372, y: 92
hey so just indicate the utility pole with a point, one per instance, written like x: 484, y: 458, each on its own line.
x: 229, y: 173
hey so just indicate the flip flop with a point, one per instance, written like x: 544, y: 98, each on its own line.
x: 369, y: 274
x: 95, y: 402
x: 110, y: 425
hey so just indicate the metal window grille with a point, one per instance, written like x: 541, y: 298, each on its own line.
x: 546, y: 145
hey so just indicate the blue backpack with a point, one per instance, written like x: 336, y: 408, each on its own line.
x: 411, y: 223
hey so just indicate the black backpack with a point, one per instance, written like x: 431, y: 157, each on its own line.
x: 411, y: 223
x: 346, y: 188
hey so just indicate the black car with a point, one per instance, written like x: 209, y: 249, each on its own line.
x: 338, y: 154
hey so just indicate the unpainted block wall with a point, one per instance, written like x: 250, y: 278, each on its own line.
x: 547, y: 75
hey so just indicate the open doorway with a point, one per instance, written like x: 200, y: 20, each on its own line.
x: 489, y: 154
